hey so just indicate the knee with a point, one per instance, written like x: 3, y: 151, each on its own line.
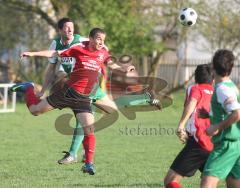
x: 88, y: 129
x: 172, y: 178
x: 35, y: 112
x: 115, y: 108
x: 166, y: 180
x: 206, y: 182
x: 109, y: 109
x: 173, y: 184
x: 112, y: 110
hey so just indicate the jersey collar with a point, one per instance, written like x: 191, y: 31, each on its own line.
x: 68, y: 43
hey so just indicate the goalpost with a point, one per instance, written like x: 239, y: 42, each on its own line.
x: 7, y: 99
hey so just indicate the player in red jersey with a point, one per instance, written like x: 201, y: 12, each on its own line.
x: 198, y: 145
x: 90, y: 57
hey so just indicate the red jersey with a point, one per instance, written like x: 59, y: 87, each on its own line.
x: 197, y: 126
x: 87, y: 67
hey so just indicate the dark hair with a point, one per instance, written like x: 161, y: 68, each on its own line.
x: 203, y: 74
x: 223, y: 62
x: 96, y: 30
x: 62, y: 21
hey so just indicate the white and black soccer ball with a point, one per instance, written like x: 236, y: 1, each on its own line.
x: 188, y: 16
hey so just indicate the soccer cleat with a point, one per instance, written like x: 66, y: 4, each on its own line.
x: 67, y: 159
x: 154, y: 101
x: 88, y: 168
x: 21, y: 87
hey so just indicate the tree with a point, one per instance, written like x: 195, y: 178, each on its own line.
x: 123, y: 22
x: 218, y: 24
x: 138, y: 27
x: 23, y: 30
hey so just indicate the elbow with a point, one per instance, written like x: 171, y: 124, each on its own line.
x: 238, y: 115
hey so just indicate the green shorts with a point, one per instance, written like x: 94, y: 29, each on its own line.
x: 99, y: 94
x: 224, y: 160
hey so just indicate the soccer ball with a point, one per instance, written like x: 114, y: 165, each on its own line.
x: 188, y: 16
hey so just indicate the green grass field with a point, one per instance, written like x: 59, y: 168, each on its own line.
x: 128, y: 154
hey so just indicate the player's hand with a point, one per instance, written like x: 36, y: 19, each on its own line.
x: 26, y: 54
x: 212, y: 130
x: 182, y: 135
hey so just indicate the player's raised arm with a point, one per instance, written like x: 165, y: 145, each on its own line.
x: 46, y: 53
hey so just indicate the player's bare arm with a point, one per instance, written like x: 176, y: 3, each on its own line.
x: 46, y: 53
x: 188, y: 110
x: 233, y: 117
x: 49, y: 75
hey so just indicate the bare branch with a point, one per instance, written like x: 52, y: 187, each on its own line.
x: 26, y: 7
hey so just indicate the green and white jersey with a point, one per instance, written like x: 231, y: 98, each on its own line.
x: 67, y: 63
x: 225, y: 99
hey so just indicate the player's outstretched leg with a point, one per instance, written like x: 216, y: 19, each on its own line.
x: 21, y: 87
x: 147, y: 98
x: 34, y: 104
x: 153, y: 100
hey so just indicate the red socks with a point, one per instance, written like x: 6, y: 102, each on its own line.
x: 173, y: 184
x: 30, y: 97
x: 89, y: 144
